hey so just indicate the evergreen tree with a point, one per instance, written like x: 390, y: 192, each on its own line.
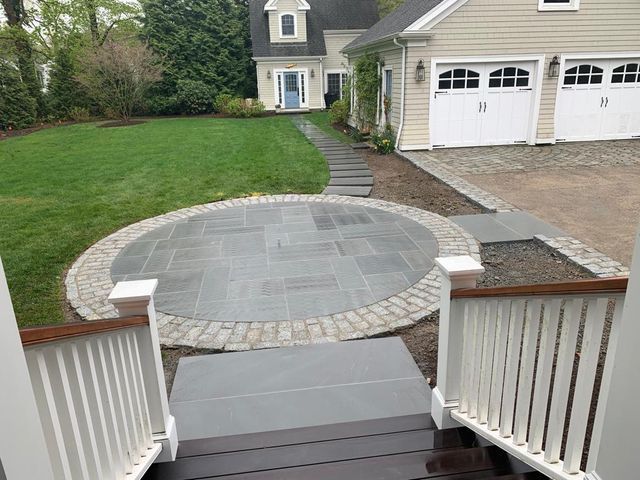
x: 17, y: 107
x: 202, y: 40
x: 64, y: 91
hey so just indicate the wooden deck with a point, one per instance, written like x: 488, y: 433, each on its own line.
x: 413, y: 454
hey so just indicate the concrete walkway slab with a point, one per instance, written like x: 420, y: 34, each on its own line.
x: 297, y: 387
x: 505, y: 226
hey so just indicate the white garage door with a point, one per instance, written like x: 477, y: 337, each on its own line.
x: 482, y: 104
x: 599, y: 100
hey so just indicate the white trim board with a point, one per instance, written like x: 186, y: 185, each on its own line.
x: 572, y: 6
x: 436, y: 15
x: 295, y: 24
x: 537, y: 92
x: 273, y: 5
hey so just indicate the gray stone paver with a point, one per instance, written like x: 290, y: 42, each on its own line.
x: 89, y: 282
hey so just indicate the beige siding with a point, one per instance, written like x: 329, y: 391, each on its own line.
x: 511, y: 27
x: 287, y: 6
x: 266, y: 87
x: 334, y: 43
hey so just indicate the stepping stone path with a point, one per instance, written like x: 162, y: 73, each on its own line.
x: 350, y: 174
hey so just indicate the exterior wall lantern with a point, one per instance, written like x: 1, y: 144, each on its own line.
x: 420, y: 71
x: 554, y: 67
x: 313, y: 73
x: 269, y: 74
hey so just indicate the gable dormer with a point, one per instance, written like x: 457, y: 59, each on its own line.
x: 287, y: 20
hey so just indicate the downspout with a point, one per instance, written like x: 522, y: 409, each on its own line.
x: 323, y: 104
x: 402, y: 88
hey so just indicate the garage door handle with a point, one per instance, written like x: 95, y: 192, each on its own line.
x: 485, y: 106
x: 480, y: 109
x: 606, y: 103
x: 601, y: 101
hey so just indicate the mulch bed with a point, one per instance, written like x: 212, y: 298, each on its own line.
x: 120, y: 123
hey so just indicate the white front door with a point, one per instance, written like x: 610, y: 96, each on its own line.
x: 598, y: 100
x: 482, y: 104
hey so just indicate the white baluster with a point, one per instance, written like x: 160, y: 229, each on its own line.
x: 511, y: 369
x: 467, y: 355
x: 500, y: 353
x: 486, y: 368
x: 527, y: 364
x: 478, y: 339
x: 591, y: 341
x: 562, y: 379
x: 132, y: 422
x: 543, y: 374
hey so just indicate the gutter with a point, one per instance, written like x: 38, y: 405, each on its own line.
x: 392, y: 37
x: 402, y: 89
x: 323, y: 103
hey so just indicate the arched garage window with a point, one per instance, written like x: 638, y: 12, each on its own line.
x: 629, y: 73
x: 287, y: 25
x: 509, y: 77
x: 583, y: 75
x: 459, y: 78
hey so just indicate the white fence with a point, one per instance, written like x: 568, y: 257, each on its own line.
x: 91, y: 394
x: 531, y: 369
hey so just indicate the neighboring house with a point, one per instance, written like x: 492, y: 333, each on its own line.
x: 296, y: 46
x: 515, y: 71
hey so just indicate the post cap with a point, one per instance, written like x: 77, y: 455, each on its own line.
x: 133, y: 291
x: 460, y: 266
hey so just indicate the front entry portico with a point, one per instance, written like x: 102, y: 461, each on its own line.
x: 291, y: 89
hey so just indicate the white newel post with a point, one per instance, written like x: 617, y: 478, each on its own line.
x: 23, y: 451
x: 136, y: 298
x: 456, y: 273
x: 614, y: 443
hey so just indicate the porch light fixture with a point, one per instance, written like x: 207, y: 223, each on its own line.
x: 313, y: 73
x: 420, y: 71
x: 269, y: 74
x: 554, y: 67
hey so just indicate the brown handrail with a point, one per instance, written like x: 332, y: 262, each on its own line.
x: 50, y: 333
x: 612, y: 285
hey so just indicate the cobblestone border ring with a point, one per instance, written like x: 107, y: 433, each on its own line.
x: 88, y: 284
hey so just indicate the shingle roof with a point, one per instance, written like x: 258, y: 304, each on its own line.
x: 324, y: 15
x: 396, y: 22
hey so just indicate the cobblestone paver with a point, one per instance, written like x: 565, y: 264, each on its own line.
x: 522, y: 158
x: 587, y: 257
x: 88, y: 284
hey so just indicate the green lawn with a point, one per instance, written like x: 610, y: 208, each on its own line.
x: 62, y: 189
x: 321, y: 120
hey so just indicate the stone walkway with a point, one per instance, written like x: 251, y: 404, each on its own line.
x: 341, y: 267
x: 349, y: 173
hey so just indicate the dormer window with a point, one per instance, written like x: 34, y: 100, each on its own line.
x: 551, y: 5
x: 287, y: 25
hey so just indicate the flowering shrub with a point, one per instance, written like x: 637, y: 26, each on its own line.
x: 384, y: 143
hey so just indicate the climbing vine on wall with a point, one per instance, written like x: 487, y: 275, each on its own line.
x: 366, y: 87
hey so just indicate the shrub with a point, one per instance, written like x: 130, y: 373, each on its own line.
x: 221, y: 103
x: 384, y: 143
x: 194, y: 97
x: 339, y: 111
x: 160, y: 105
x: 242, y: 108
x: 64, y: 92
x: 79, y: 114
x: 17, y: 107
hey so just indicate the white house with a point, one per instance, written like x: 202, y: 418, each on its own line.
x: 296, y: 47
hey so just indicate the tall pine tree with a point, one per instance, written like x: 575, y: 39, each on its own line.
x: 202, y: 40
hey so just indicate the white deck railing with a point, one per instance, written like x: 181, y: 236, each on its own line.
x: 97, y: 394
x: 529, y: 368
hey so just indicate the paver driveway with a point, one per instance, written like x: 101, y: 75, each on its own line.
x: 590, y: 190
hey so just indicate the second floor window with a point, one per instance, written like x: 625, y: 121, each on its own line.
x: 288, y: 25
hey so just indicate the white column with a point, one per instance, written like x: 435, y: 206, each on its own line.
x: 136, y: 298
x: 614, y: 442
x: 23, y: 450
x: 456, y: 273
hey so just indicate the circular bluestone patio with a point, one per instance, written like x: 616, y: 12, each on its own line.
x: 272, y: 271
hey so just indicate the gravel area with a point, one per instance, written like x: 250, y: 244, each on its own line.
x: 517, y: 263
